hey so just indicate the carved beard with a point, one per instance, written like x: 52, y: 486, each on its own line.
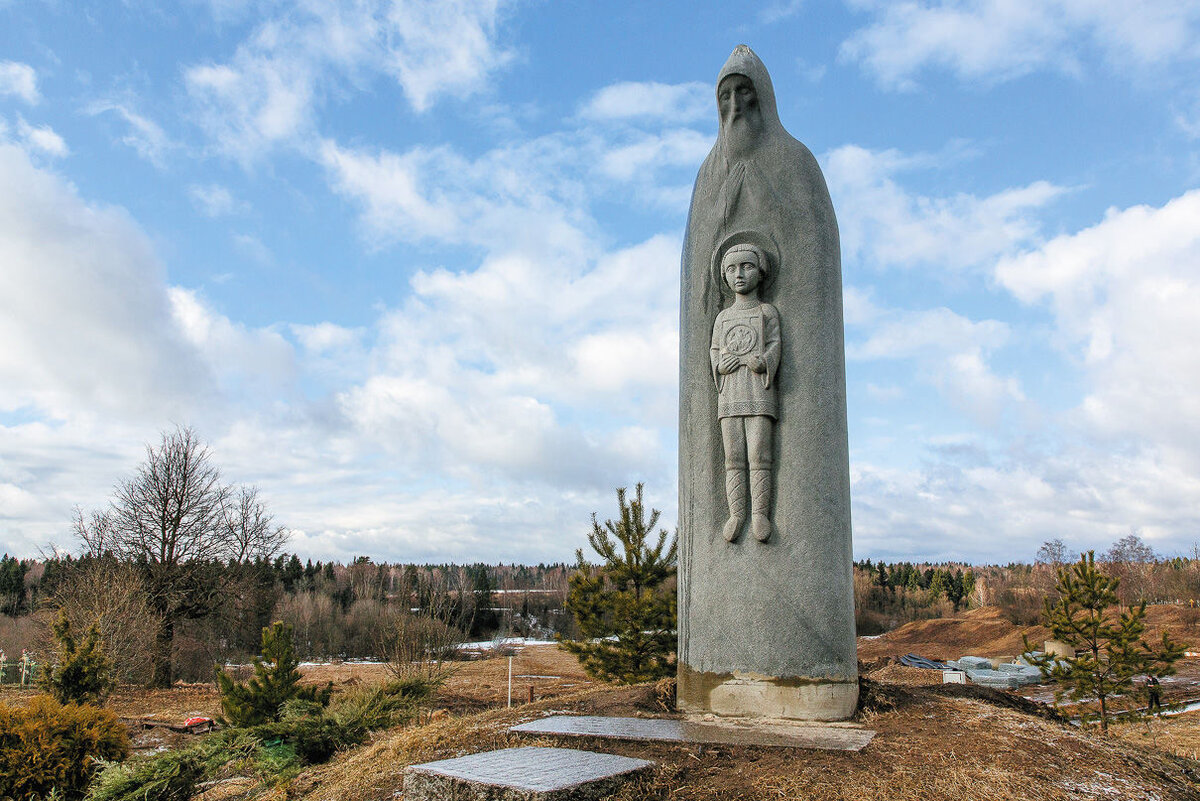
x: 743, y: 133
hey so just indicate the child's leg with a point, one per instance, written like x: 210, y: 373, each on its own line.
x: 760, y: 454
x: 733, y: 437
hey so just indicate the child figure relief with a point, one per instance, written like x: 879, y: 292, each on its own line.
x: 745, y: 357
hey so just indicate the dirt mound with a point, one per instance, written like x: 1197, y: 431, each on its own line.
x: 987, y: 632
x: 899, y: 674
x: 981, y: 632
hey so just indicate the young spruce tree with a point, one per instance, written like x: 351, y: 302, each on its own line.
x: 81, y: 674
x: 1110, y: 651
x: 276, y: 681
x: 624, y: 609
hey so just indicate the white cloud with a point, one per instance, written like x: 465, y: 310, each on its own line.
x: 995, y: 40
x: 887, y: 226
x: 244, y: 360
x: 42, y: 139
x: 952, y: 354
x: 674, y: 104
x: 213, y: 200
x: 268, y: 93
x: 779, y: 11
x: 144, y: 135
x: 19, y: 80
x: 510, y: 199
x: 84, y: 316
x: 325, y: 337
x: 254, y: 249
x: 678, y: 147
x: 1123, y: 295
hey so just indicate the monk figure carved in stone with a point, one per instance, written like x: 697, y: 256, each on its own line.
x: 745, y: 356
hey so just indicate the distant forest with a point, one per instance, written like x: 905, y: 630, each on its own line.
x: 339, y: 610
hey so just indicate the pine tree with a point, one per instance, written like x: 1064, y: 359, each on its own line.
x: 1108, y: 642
x: 625, y: 612
x: 276, y: 681
x: 82, y: 674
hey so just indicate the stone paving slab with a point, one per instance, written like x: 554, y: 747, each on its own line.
x: 521, y: 774
x: 775, y: 735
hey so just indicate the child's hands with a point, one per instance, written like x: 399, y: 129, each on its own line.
x: 728, y: 364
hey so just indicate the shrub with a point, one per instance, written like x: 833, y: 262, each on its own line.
x: 306, y: 733
x: 171, y: 776
x: 276, y: 681
x: 82, y: 673
x: 47, y: 746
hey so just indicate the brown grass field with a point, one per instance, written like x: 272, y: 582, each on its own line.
x: 933, y: 741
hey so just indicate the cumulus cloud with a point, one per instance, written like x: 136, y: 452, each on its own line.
x: 648, y: 101
x: 19, y: 80
x: 42, y: 139
x: 111, y: 342
x: 1119, y: 295
x: 952, y: 353
x: 996, y: 40
x: 885, y: 225
x: 1122, y: 295
x: 267, y: 93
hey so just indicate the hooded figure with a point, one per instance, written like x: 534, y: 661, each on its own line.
x: 780, y: 610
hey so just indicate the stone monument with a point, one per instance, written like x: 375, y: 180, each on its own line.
x: 766, y: 597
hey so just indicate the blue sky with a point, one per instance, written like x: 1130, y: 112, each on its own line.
x: 412, y: 267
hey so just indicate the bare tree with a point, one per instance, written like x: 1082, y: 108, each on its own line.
x: 250, y: 528
x: 1053, y: 552
x: 1130, y: 549
x: 1130, y: 560
x: 111, y: 595
x: 177, y: 522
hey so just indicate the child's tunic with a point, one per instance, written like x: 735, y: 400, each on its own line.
x: 746, y: 333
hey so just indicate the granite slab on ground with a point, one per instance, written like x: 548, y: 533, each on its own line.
x: 521, y: 774
x: 827, y: 737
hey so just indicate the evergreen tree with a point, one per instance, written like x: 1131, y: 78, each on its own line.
x: 625, y: 598
x: 1108, y: 642
x: 12, y: 585
x: 82, y: 674
x: 276, y: 680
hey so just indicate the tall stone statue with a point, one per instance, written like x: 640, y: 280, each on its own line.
x: 766, y: 622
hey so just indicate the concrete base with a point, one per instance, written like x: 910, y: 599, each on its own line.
x: 748, y: 695
x: 521, y: 774
x: 773, y: 734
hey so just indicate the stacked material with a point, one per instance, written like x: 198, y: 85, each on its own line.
x: 1006, y: 677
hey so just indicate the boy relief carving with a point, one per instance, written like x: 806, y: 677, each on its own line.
x: 745, y: 357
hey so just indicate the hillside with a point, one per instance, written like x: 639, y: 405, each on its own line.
x: 955, y: 742
x: 986, y: 632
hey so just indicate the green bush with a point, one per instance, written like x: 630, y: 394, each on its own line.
x: 170, y: 776
x: 82, y: 673
x: 276, y: 681
x: 47, y: 745
x: 306, y: 733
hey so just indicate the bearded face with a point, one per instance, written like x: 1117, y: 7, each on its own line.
x: 741, y: 117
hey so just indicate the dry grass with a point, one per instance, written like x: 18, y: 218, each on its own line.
x: 928, y: 745
x: 1178, y: 735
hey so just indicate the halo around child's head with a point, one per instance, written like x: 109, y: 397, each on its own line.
x: 748, y: 240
